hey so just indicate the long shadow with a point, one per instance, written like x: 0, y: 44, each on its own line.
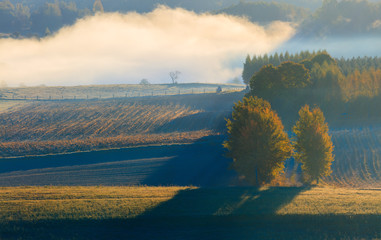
x: 199, y: 164
x: 214, y: 213
x: 228, y: 201
x: 276, y: 227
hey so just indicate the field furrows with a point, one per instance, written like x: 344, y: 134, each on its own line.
x: 357, y: 158
x: 54, y: 121
x: 25, y: 148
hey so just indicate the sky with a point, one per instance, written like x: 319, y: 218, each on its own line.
x: 111, y: 48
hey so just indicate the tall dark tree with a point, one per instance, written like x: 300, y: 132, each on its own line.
x: 247, y: 70
x: 313, y: 145
x: 257, y: 141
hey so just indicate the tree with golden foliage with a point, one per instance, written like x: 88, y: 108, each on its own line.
x: 257, y: 141
x: 313, y: 144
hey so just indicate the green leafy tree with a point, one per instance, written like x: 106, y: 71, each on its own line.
x: 270, y: 79
x: 264, y: 80
x: 313, y: 144
x: 293, y: 75
x: 257, y: 141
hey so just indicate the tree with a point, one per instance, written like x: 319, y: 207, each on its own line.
x: 144, y: 82
x: 257, y: 141
x: 174, y: 75
x: 313, y: 144
x: 267, y: 78
x: 247, y: 72
x: 293, y: 75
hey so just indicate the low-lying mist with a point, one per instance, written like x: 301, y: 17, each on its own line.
x: 125, y: 48
x: 347, y: 47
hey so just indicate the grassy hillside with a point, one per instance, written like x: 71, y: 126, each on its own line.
x: 189, y: 213
x: 41, y: 127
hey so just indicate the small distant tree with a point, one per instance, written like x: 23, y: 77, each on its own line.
x: 313, y: 144
x: 144, y: 82
x: 174, y: 75
x: 257, y: 141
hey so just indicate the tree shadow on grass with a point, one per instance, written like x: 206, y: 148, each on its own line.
x: 209, y: 213
x: 229, y: 201
x: 201, y: 163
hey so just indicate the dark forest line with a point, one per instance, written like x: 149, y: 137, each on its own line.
x: 347, y: 90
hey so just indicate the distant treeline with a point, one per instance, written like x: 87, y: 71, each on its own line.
x: 348, y: 90
x: 19, y: 19
x: 332, y: 18
x: 356, y: 77
x: 255, y: 63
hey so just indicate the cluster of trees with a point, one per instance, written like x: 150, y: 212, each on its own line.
x: 255, y: 63
x: 338, y: 79
x: 19, y: 19
x: 259, y: 145
x: 348, y: 66
x: 291, y: 85
x: 362, y: 83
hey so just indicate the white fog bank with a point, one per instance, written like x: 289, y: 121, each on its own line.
x: 125, y: 48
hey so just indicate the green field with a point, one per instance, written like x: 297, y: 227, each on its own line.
x: 189, y: 212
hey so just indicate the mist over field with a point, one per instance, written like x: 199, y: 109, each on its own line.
x: 347, y: 47
x: 125, y: 48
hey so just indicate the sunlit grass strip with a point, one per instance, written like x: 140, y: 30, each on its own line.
x: 35, y: 148
x: 334, y: 201
x: 100, y: 203
x: 73, y: 203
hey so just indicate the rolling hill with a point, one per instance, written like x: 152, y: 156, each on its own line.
x: 159, y: 140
